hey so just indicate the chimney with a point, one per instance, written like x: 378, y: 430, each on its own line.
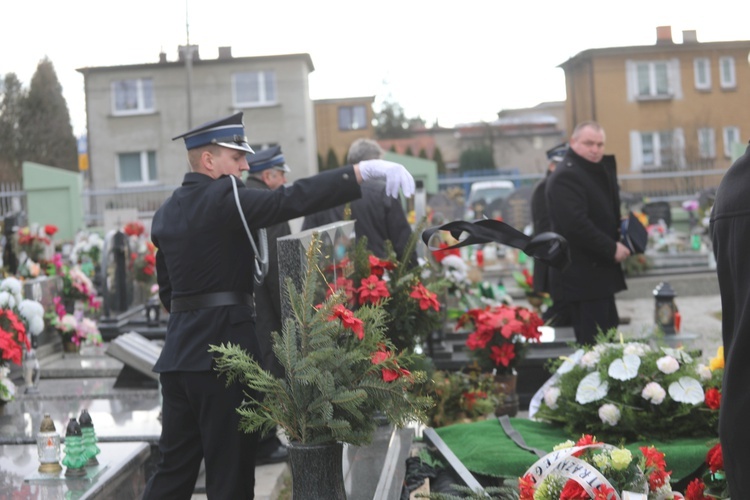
x: 689, y: 36
x: 664, y: 35
x: 225, y: 52
x: 192, y: 49
x: 162, y: 57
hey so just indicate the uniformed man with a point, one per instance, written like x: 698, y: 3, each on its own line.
x: 268, y: 170
x: 205, y: 264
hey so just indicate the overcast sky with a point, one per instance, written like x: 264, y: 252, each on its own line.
x: 452, y: 61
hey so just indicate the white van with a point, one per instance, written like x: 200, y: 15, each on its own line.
x: 485, y: 193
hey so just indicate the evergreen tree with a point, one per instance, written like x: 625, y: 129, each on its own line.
x: 10, y: 135
x: 44, y: 124
x: 393, y: 149
x: 332, y: 160
x: 422, y: 153
x: 408, y: 151
x: 437, y: 157
x: 391, y: 123
x: 477, y: 158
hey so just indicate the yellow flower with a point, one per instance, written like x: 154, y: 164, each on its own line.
x: 562, y: 446
x: 601, y: 461
x: 717, y: 362
x: 642, y: 217
x: 621, y: 458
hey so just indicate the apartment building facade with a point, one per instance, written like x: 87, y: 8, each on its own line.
x: 675, y: 110
x: 339, y: 122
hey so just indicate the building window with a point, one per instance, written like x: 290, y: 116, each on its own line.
x: 133, y: 96
x: 652, y: 79
x: 731, y: 136
x: 702, y: 68
x: 352, y: 117
x: 726, y: 72
x: 136, y: 168
x: 706, y: 143
x: 254, y: 88
x: 663, y: 149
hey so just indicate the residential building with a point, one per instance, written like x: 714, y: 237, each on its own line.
x: 339, y: 122
x: 134, y: 111
x: 673, y: 112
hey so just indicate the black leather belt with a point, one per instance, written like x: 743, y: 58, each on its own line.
x: 216, y: 299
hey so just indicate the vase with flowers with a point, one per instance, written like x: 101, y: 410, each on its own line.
x: 76, y: 285
x: 340, y: 370
x: 74, y: 329
x: 35, y: 242
x: 525, y: 281
x: 20, y: 320
x: 500, y: 336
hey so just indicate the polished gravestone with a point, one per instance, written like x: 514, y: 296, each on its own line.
x: 138, y: 355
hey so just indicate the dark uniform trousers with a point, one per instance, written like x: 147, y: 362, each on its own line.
x: 590, y: 316
x: 187, y: 394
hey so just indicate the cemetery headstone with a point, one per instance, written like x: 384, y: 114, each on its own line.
x: 658, y: 210
x: 444, y: 207
x: 516, y: 208
x: 117, y: 279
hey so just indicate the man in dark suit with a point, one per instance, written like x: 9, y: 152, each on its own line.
x: 557, y: 314
x: 730, y: 233
x: 205, y: 264
x: 584, y: 206
x: 268, y: 171
x: 376, y: 216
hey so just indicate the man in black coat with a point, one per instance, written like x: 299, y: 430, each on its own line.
x: 584, y: 206
x: 268, y: 171
x: 557, y: 314
x: 376, y: 216
x: 730, y: 232
x: 205, y: 263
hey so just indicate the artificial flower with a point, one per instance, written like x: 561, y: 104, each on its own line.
x: 550, y: 397
x: 348, y: 320
x: 667, y: 364
x: 609, y: 414
x: 372, y: 290
x: 654, y: 393
x: 625, y: 368
x: 591, y: 389
x: 687, y: 390
x: 427, y: 299
x: 715, y: 458
x: 713, y: 398
x: 621, y: 458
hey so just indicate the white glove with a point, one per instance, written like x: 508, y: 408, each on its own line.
x: 396, y: 176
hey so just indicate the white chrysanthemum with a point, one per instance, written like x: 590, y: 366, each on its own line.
x: 609, y: 414
x: 4, y: 298
x: 12, y: 285
x: 563, y: 445
x: 602, y: 348
x: 678, y: 354
x: 687, y: 390
x: 667, y: 364
x: 550, y: 397
x: 637, y: 348
x: 625, y: 368
x: 591, y: 388
x: 30, y: 308
x: 704, y: 372
x: 570, y: 362
x: 590, y: 359
x: 36, y: 325
x: 654, y: 393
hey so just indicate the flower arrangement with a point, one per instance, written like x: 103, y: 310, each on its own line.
x: 19, y: 318
x: 36, y: 241
x: 76, y: 284
x: 603, y: 472
x: 525, y: 281
x: 340, y: 370
x: 501, y: 334
x: 713, y: 483
x: 630, y: 390
x: 461, y: 397
x: 411, y: 306
x: 87, y: 251
x: 134, y: 228
x: 74, y: 327
x: 143, y: 263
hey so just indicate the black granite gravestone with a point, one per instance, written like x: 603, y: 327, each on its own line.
x: 516, y: 208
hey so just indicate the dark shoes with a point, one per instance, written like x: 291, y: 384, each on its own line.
x: 277, y: 455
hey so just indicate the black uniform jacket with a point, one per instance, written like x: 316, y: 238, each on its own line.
x: 583, y: 200
x: 540, y: 219
x: 203, y: 248
x: 730, y: 232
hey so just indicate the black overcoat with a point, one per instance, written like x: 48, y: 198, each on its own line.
x: 203, y: 248
x: 541, y: 223
x: 584, y: 206
x: 730, y: 232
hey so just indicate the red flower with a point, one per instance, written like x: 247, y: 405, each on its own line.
x: 426, y: 298
x: 134, y: 228
x: 443, y: 252
x: 713, y: 398
x: 526, y: 487
x: 502, y: 355
x: 585, y: 440
x: 715, y: 459
x: 529, y: 278
x: 12, y: 337
x: 378, y: 266
x: 471, y: 398
x: 654, y: 458
x: 373, y: 290
x: 573, y: 491
x: 603, y: 492
x: 348, y: 320
x: 50, y: 229
x: 695, y: 489
x: 657, y: 479
x: 345, y: 284
x: 389, y: 374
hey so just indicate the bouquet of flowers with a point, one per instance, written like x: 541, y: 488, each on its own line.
x: 631, y: 390
x: 134, y: 228
x: 501, y: 334
x: 411, y: 306
x: 525, y: 281
x: 603, y: 472
x: 143, y: 263
x: 713, y: 483
x: 19, y: 318
x: 87, y: 251
x: 461, y: 397
x: 76, y: 284
x: 36, y: 241
x: 75, y: 328
x: 340, y: 370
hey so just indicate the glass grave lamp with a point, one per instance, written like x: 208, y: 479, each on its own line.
x: 48, y: 447
x: 665, y: 308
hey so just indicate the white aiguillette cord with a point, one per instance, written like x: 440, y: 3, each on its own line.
x: 261, y: 257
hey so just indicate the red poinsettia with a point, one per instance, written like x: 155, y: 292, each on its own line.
x: 389, y: 374
x: 372, y: 290
x: 345, y: 284
x: 379, y: 266
x: 50, y: 229
x: 12, y: 337
x: 426, y: 298
x: 501, y: 334
x: 348, y: 320
x: 713, y: 398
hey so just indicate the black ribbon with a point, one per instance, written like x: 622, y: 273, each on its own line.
x: 547, y: 247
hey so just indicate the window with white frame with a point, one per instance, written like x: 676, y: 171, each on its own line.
x: 352, y: 117
x: 136, y: 168
x: 731, y: 135
x: 702, y: 69
x: 254, y: 88
x: 726, y: 72
x: 133, y: 96
x: 652, y: 150
x: 706, y: 143
x: 653, y: 79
